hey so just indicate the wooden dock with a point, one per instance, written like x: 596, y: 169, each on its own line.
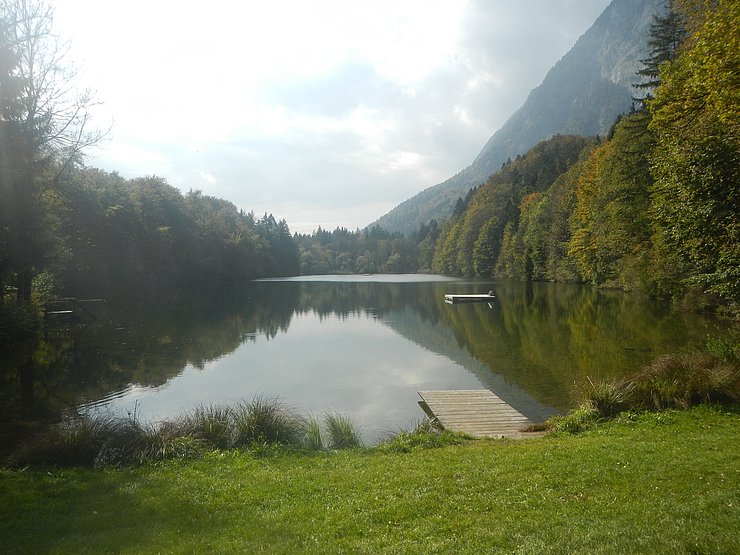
x: 476, y: 412
x: 452, y: 299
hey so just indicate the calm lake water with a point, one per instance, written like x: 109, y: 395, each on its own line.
x: 358, y: 345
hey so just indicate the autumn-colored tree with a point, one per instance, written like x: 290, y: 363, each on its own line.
x: 696, y: 117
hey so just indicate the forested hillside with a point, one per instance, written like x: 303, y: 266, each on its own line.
x: 581, y: 95
x: 67, y: 229
x: 654, y: 207
x: 121, y: 236
x: 480, y: 235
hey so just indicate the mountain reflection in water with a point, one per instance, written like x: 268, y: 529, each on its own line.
x: 358, y: 345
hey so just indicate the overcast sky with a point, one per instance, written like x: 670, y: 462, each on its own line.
x: 322, y: 112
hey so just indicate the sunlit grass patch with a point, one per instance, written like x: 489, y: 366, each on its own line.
x: 424, y: 435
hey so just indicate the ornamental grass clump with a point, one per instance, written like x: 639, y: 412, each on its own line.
x: 684, y: 380
x: 607, y: 398
x: 342, y: 432
x: 211, y: 424
x: 312, y: 438
x: 132, y: 441
x: 265, y: 421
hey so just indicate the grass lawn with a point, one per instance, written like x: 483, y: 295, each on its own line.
x: 656, y: 483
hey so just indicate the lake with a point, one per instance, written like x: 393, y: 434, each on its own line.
x: 357, y: 345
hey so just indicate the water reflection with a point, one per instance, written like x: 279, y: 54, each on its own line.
x: 362, y: 345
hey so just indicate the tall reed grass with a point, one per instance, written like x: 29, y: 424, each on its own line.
x: 265, y: 420
x: 684, y: 380
x: 342, y: 432
x: 98, y: 440
x: 676, y: 381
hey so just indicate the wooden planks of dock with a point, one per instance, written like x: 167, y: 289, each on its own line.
x: 477, y: 412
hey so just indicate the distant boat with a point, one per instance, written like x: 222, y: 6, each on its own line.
x: 481, y: 298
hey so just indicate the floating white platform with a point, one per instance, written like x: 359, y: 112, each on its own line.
x: 452, y: 299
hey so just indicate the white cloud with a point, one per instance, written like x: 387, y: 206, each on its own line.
x: 324, y: 112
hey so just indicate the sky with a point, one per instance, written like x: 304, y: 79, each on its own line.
x: 322, y: 112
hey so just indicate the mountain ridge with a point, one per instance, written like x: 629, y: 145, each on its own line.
x: 582, y: 94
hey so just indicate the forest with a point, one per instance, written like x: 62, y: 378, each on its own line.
x: 652, y: 207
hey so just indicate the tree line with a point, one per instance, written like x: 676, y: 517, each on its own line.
x: 75, y: 230
x: 652, y: 207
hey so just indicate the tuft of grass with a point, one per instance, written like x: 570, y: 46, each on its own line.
x: 425, y: 435
x: 312, y: 439
x: 684, y: 380
x: 607, y: 398
x: 578, y: 420
x: 265, y: 420
x: 103, y: 440
x: 342, y: 432
x: 210, y: 424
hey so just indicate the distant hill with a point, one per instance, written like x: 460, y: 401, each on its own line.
x: 582, y: 94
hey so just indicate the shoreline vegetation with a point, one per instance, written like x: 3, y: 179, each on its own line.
x: 677, y: 381
x: 649, y: 482
x: 644, y: 465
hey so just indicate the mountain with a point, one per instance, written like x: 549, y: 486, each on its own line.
x: 582, y: 94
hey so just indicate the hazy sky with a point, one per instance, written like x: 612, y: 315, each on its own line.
x: 322, y: 112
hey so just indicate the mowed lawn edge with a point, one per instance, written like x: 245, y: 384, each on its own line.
x: 666, y: 482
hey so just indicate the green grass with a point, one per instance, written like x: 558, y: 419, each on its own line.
x: 641, y: 483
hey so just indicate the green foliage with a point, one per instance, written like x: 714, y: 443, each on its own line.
x: 211, y: 424
x: 342, y: 432
x: 486, y: 249
x: 611, y: 238
x: 654, y: 208
x: 424, y: 435
x: 103, y: 440
x: 577, y: 420
x: 143, y: 237
x: 262, y: 426
x: 485, y: 238
x: 667, y: 33
x: 697, y: 160
x: 312, y: 439
x: 372, y: 250
x: 607, y: 398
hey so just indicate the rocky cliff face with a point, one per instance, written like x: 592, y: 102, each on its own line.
x: 582, y: 94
